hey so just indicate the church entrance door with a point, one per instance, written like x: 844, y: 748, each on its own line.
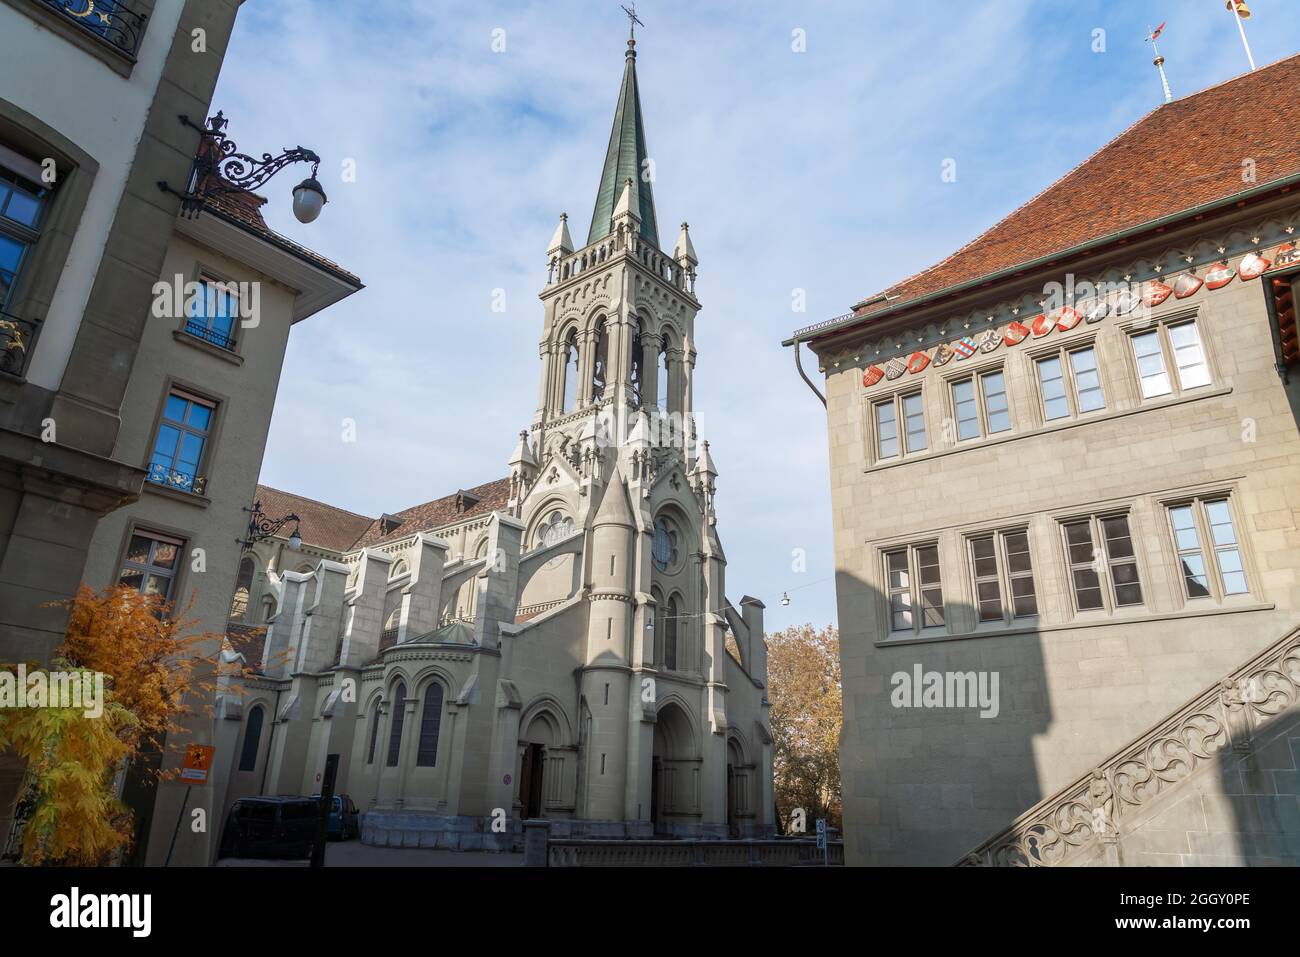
x: 530, y: 781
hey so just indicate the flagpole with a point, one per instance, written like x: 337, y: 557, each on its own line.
x: 1241, y: 28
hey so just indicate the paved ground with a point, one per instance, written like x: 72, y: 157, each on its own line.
x: 355, y: 854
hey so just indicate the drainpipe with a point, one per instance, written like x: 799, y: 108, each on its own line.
x: 798, y: 364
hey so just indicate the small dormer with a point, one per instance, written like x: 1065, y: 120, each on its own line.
x: 389, y: 523
x: 465, y: 501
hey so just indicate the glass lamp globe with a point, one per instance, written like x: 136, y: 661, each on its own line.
x: 308, y: 200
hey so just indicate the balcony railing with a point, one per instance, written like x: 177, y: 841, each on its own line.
x: 111, y: 20
x: 199, y: 330
x: 170, y: 478
x: 16, y: 337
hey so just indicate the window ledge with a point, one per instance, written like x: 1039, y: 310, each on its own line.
x: 202, y: 501
x: 1088, y: 418
x: 194, y: 342
x: 1232, y: 608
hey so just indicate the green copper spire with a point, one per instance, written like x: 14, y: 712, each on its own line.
x: 625, y: 158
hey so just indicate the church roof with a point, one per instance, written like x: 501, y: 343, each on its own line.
x: 624, y: 159
x: 1181, y: 157
x: 322, y: 525
x: 479, y: 500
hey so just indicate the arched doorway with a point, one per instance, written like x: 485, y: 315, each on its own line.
x: 540, y: 734
x: 674, y: 770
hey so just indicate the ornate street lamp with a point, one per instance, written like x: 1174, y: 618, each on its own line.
x: 220, y: 168
x: 260, y: 528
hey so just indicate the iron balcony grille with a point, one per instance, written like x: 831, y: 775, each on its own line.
x: 111, y: 20
x: 159, y: 474
x: 16, y: 337
x: 199, y: 330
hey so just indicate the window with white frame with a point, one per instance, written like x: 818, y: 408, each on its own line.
x: 1103, y: 563
x: 915, y: 588
x: 980, y: 405
x: 1070, y: 383
x: 899, y: 425
x: 1170, y: 358
x: 1004, y: 576
x: 1203, y: 523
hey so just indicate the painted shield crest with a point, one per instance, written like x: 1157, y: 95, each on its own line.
x: 989, y: 340
x: 1287, y: 255
x: 943, y: 354
x: 918, y: 361
x: 1098, y: 311
x: 894, y: 368
x: 1252, y: 266
x: 1187, y: 285
x: 1016, y: 333
x: 964, y: 347
x: 1155, y: 292
x: 873, y: 375
x: 1219, y: 275
x: 1068, y: 318
x: 1041, y: 326
x: 1126, y: 302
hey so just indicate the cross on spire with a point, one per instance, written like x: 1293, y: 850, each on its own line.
x: 632, y: 23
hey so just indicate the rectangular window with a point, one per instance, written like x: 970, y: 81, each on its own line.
x: 1051, y: 378
x: 22, y: 207
x: 151, y: 563
x: 1114, y: 560
x: 213, y: 313
x: 914, y: 418
x: 1177, y: 347
x: 967, y: 409
x: 913, y: 579
x: 982, y: 413
x: 1070, y: 390
x: 1215, y: 517
x: 886, y: 430
x: 1004, y: 576
x: 1151, y: 364
x: 180, y: 442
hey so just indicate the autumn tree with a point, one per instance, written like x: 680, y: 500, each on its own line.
x: 156, y: 675
x: 803, y: 670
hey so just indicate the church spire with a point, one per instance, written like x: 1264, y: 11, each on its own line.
x: 626, y: 157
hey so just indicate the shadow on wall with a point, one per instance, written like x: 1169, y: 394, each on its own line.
x: 1261, y: 795
x: 937, y: 750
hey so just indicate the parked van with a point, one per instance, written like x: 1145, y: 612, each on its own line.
x: 281, y: 827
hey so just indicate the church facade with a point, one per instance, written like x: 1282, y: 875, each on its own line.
x: 557, y: 644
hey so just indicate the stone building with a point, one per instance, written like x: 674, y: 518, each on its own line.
x: 1066, y: 458
x: 88, y: 126
x: 557, y: 643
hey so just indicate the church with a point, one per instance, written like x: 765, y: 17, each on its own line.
x: 557, y: 644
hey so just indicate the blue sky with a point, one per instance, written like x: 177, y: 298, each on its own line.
x: 816, y: 170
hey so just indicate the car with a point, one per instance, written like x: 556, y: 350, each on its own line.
x: 270, y: 827
x: 343, y: 823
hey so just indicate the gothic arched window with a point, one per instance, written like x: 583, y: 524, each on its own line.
x: 665, y: 380
x: 243, y: 585
x: 430, y: 721
x: 670, y: 634
x: 252, y: 739
x: 570, y: 371
x: 374, y: 734
x: 599, y: 367
x: 634, y: 365
x: 556, y: 529
x: 664, y: 548
x: 399, y: 715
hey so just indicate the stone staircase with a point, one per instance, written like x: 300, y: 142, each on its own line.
x: 1216, y: 782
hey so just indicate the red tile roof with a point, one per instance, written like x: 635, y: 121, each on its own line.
x: 441, y: 511
x: 1183, y: 155
x: 321, y: 525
